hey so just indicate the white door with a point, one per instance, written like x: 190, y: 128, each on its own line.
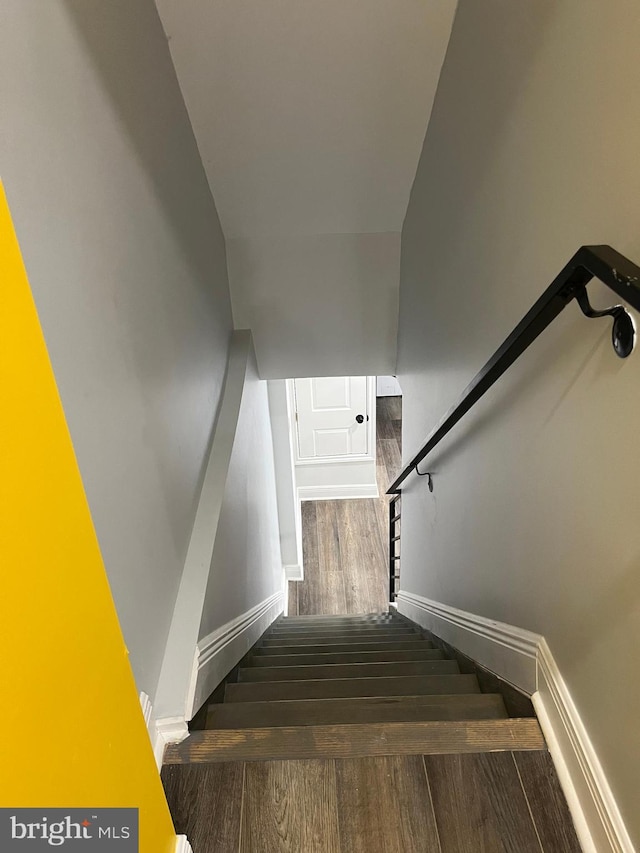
x: 334, y: 417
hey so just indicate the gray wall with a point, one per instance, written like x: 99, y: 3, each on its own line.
x: 126, y: 260
x: 532, y: 150
x: 318, y: 304
x: 289, y: 515
x: 246, y: 567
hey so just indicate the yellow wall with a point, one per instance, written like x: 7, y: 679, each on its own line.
x: 73, y: 732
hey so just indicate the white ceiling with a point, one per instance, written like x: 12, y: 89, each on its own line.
x: 309, y: 116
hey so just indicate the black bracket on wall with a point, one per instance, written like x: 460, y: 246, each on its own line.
x: 623, y: 333
x: 426, y: 474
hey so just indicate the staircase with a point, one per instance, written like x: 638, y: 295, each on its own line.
x: 350, y: 686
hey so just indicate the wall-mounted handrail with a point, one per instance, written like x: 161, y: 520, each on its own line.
x: 602, y: 262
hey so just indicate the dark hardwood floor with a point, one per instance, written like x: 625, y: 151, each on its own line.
x: 498, y: 802
x: 345, y: 542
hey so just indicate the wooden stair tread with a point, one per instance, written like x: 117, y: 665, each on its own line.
x: 266, y: 691
x: 330, y: 648
x: 307, y: 712
x: 342, y: 635
x: 350, y: 630
x: 344, y: 741
x: 348, y: 670
x: 318, y: 658
x: 314, y: 640
x: 375, y: 618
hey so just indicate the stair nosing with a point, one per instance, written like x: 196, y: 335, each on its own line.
x: 360, y: 687
x: 336, y: 648
x: 432, y: 654
x: 339, y: 671
x: 351, y: 740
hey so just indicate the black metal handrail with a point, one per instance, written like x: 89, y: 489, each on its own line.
x: 602, y: 262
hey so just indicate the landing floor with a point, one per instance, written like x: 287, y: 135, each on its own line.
x: 345, y: 542
x: 499, y: 802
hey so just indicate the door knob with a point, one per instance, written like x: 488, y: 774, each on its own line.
x: 360, y: 418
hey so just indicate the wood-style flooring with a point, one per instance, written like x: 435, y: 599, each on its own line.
x: 345, y: 549
x: 502, y: 802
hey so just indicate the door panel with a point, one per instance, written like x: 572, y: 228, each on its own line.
x: 331, y: 393
x: 327, y: 410
x: 331, y: 442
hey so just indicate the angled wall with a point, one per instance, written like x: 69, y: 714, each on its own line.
x: 531, y: 152
x: 246, y: 567
x: 126, y: 260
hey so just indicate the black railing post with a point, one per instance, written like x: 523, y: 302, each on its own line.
x: 394, y: 557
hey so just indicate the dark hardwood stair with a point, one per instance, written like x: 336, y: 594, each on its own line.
x: 317, y: 658
x: 354, y: 740
x: 366, y: 619
x: 326, y: 648
x: 348, y: 670
x: 375, y: 709
x: 328, y: 686
x: 387, y: 628
x: 420, y: 685
x: 340, y: 636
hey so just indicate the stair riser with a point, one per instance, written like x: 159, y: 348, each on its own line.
x: 338, y: 620
x: 315, y: 640
x: 341, y: 636
x: 326, y: 648
x: 348, y: 670
x: 479, y: 706
x: 387, y: 627
x: 426, y: 685
x: 345, y: 657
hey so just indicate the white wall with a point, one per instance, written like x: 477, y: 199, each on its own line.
x: 335, y: 480
x: 531, y: 151
x: 126, y: 259
x: 388, y: 386
x: 289, y: 515
x: 318, y: 305
x: 246, y: 567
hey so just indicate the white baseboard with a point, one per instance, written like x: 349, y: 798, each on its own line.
x: 508, y: 651
x: 294, y: 573
x: 156, y: 736
x: 221, y: 650
x: 524, y: 659
x: 147, y: 708
x: 598, y: 821
x: 336, y: 493
x: 168, y: 730
x: 182, y: 845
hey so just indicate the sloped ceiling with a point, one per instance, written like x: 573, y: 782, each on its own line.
x: 310, y: 118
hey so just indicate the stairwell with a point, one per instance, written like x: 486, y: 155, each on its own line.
x: 353, y: 731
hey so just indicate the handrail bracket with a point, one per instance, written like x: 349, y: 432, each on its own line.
x: 623, y: 333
